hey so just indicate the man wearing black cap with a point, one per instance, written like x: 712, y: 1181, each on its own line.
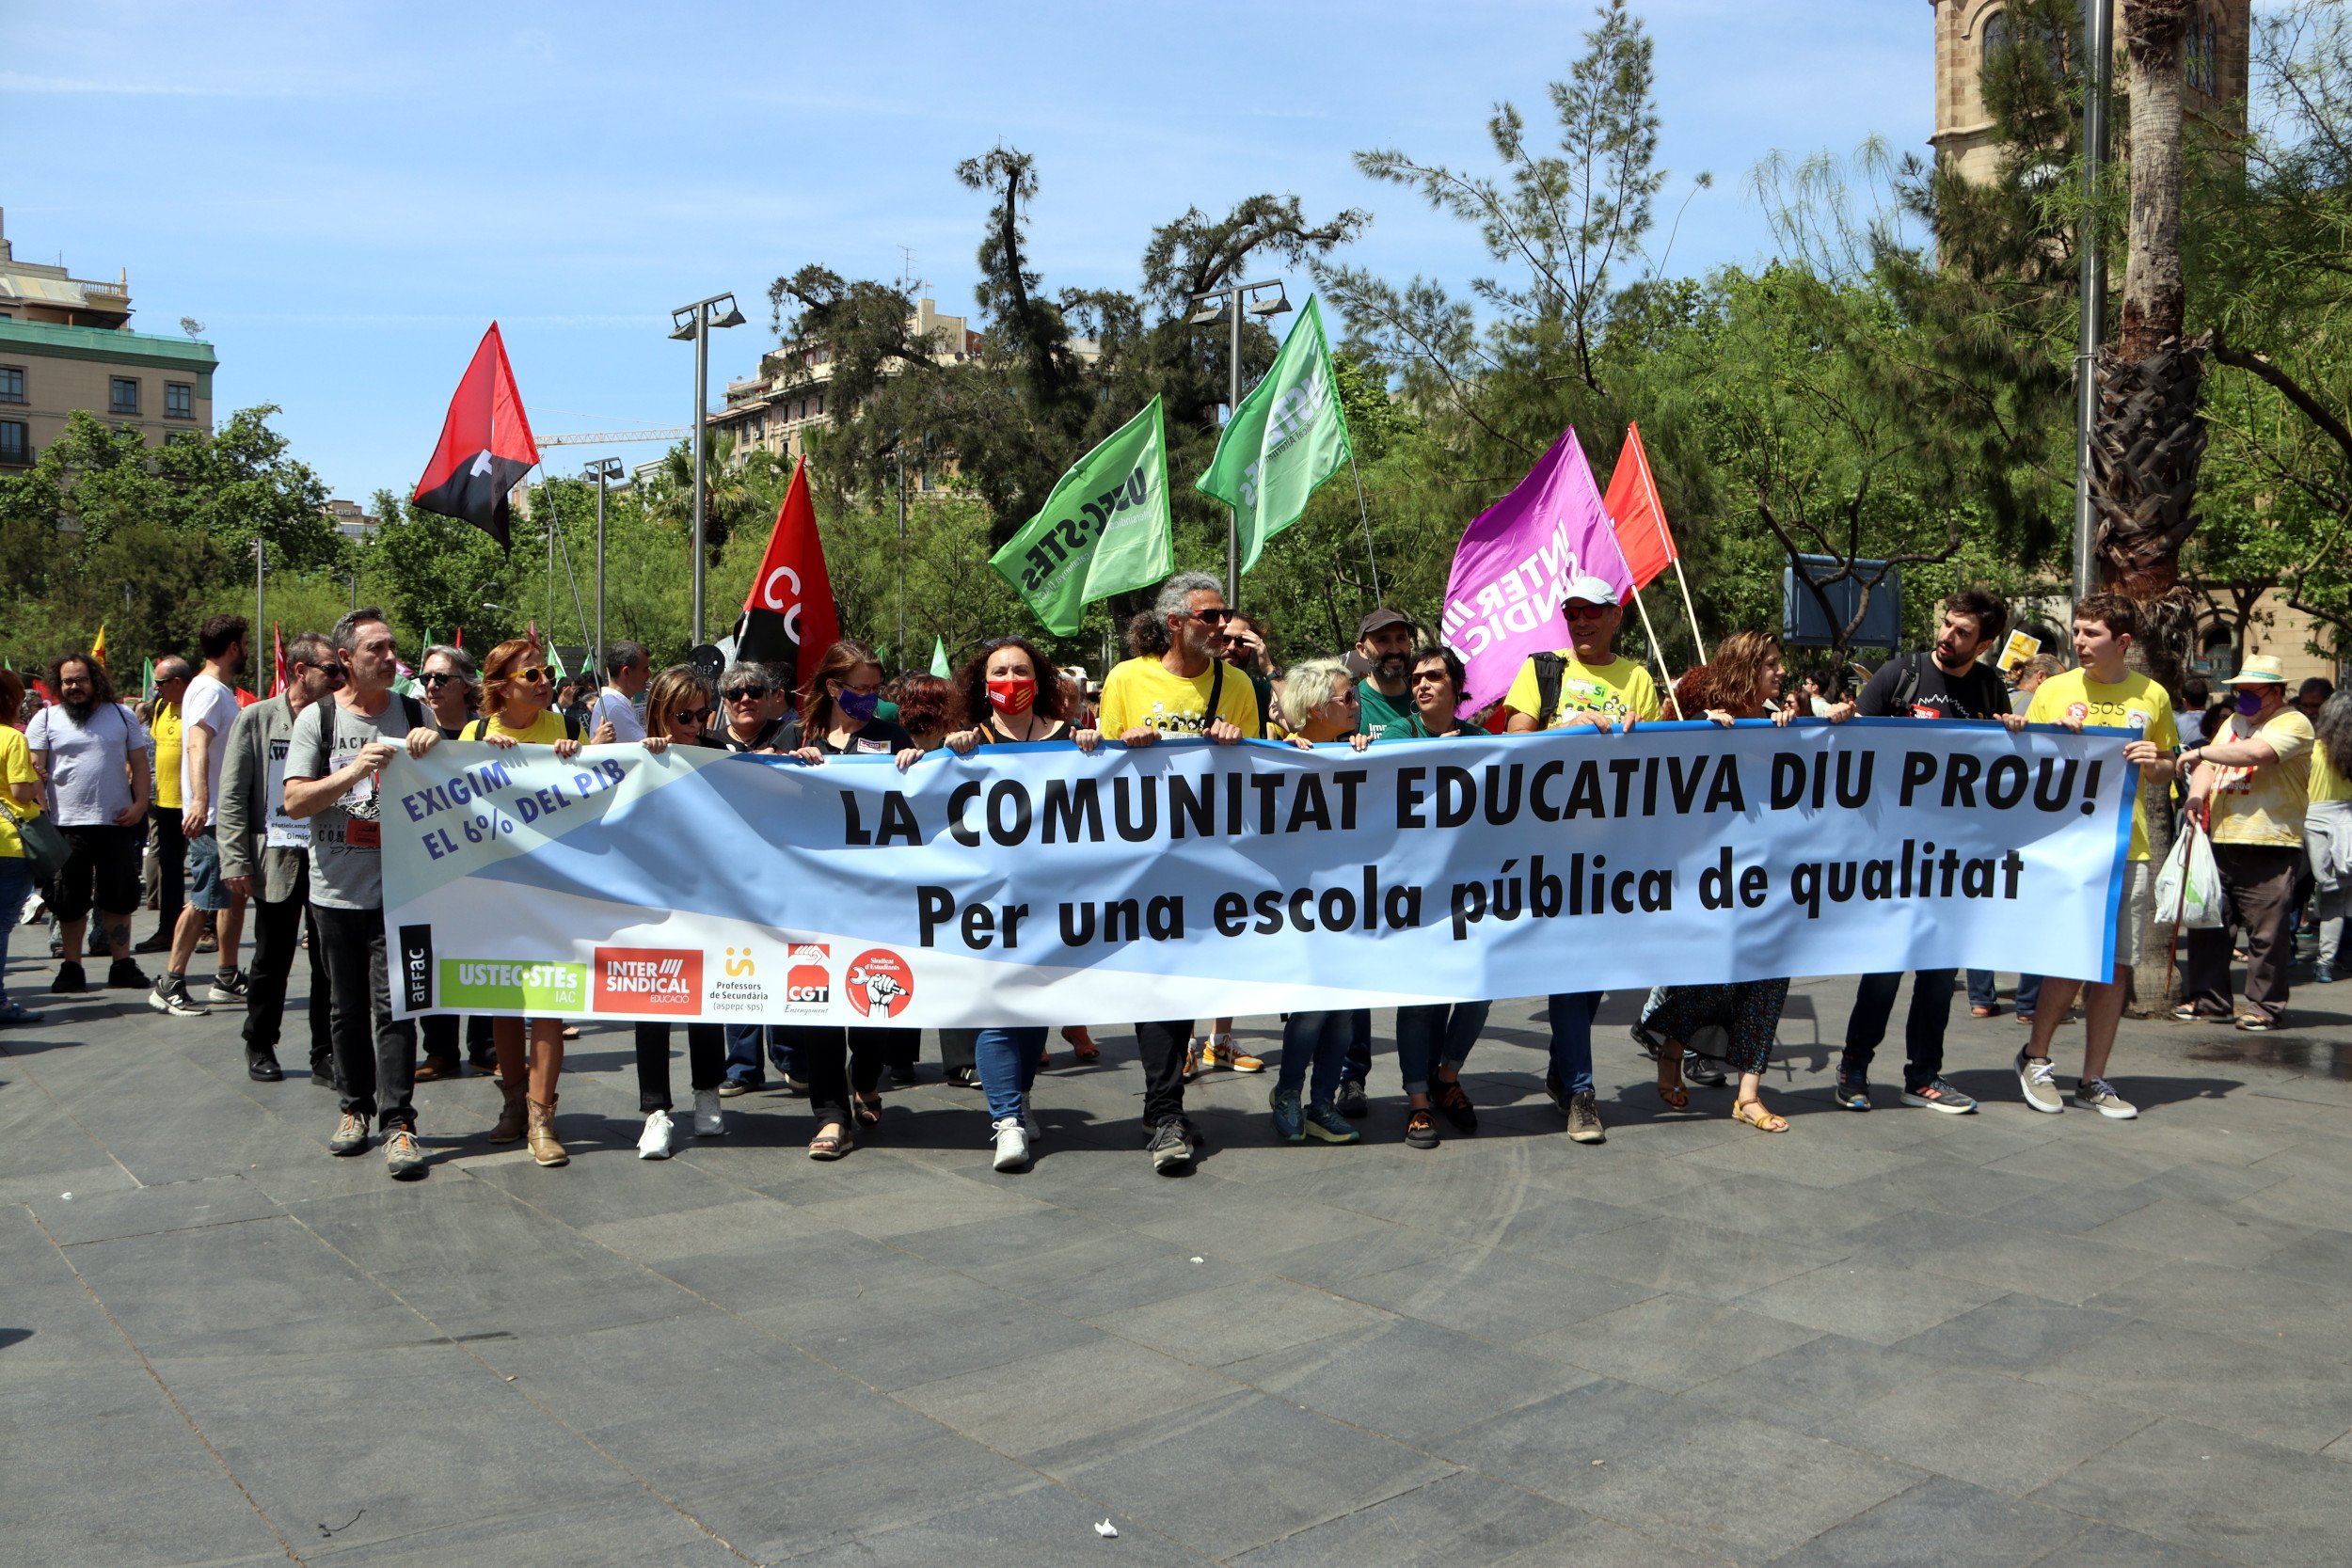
x: 1384, y: 645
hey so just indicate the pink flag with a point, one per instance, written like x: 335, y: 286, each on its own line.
x: 1503, y: 600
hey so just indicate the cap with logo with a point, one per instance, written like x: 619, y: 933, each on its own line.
x: 1587, y: 588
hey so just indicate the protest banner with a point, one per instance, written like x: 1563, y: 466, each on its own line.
x: 1043, y: 885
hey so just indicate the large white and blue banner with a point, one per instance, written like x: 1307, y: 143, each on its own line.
x: 1044, y: 885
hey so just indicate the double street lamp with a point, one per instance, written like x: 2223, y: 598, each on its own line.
x: 695, y: 322
x: 1228, y: 305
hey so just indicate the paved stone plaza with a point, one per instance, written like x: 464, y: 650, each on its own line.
x: 1902, y: 1338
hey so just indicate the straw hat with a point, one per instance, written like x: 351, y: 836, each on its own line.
x: 2260, y: 670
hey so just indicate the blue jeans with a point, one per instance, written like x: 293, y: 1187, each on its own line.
x: 1008, y: 1061
x: 1317, y: 1040
x: 1439, y: 1035
x: 1983, y: 991
x: 1359, y: 1046
x: 16, y: 881
x: 743, y: 1043
x: 1572, y: 1039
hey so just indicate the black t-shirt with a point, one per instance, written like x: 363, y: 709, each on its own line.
x: 770, y: 737
x: 879, y: 737
x: 992, y: 735
x: 1975, y: 694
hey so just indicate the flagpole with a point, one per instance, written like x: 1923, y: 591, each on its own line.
x: 1658, y: 654
x: 1689, y: 609
x: 1378, y: 599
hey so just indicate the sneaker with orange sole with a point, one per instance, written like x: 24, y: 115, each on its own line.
x: 1219, y: 1054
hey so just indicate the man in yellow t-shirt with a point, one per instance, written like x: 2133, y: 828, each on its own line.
x: 2103, y: 694
x: 2255, y: 782
x: 1584, y: 685
x: 1186, y: 689
x: 166, y: 844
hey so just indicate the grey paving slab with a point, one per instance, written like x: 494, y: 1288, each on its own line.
x: 1818, y: 1378
x: 1465, y: 1520
x: 1412, y: 1381
x: 1229, y: 1323
x: 1224, y: 1476
x: 1871, y: 1302
x: 1494, y: 1292
x: 1066, y: 1402
x: 146, y: 1210
x: 622, y: 1525
x: 2011, y: 1257
x: 1666, y: 1253
x: 1044, y: 1525
x: 2214, y: 1492
x: 2015, y: 1334
x: 2002, y: 1434
x: 2224, y: 1380
x: 1669, y: 1340
x: 2107, y: 1547
x: 920, y: 1331
x: 1941, y: 1521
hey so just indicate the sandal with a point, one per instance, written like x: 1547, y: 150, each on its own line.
x: 1082, y: 1043
x: 869, y: 1112
x: 1755, y: 1115
x: 830, y: 1145
x: 1675, y: 1095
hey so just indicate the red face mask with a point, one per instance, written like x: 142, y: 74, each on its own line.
x: 1012, y: 694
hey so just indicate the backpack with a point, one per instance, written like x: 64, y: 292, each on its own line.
x: 410, y: 709
x: 1551, y: 669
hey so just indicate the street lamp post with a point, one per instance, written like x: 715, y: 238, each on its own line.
x: 1226, y: 305
x: 604, y: 470
x: 694, y: 322
x: 2098, y: 22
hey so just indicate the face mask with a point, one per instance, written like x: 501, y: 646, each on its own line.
x: 860, y: 706
x: 1012, y: 694
x: 2249, y: 703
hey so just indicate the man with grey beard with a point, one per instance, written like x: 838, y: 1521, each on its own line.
x: 93, y: 756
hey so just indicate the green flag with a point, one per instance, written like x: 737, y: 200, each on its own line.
x: 1104, y: 529
x: 939, y: 658
x: 147, y: 680
x: 1286, y: 438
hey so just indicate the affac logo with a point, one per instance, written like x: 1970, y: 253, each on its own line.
x: 649, y: 980
x: 881, y: 985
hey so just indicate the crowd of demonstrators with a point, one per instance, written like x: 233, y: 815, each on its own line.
x: 1584, y: 686
x: 97, y: 769
x: 1946, y: 682
x: 208, y: 708
x: 265, y: 857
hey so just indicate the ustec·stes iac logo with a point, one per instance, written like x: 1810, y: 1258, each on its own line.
x: 650, y: 980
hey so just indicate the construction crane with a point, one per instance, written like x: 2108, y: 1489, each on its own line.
x: 610, y: 437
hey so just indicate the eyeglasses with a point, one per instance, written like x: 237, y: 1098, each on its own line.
x: 690, y: 715
x: 1581, y: 612
x: 437, y: 677
x: 747, y: 694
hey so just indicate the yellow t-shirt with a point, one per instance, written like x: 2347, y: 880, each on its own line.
x: 2133, y: 702
x: 2265, y: 805
x: 1617, y: 688
x: 16, y: 768
x: 546, y: 730
x: 2327, y: 784
x: 1145, y: 693
x: 166, y: 731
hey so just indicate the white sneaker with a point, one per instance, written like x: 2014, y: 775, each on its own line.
x: 654, y: 1143
x: 1012, y: 1144
x: 710, y: 1121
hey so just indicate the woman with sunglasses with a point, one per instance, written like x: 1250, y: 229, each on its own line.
x: 451, y: 682
x: 678, y: 711
x: 1018, y: 700
x: 517, y: 690
x: 839, y: 717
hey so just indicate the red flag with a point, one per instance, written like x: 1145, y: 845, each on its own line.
x: 790, y: 606
x: 277, y: 646
x: 1634, y: 509
x: 461, y: 639
x: 486, y: 445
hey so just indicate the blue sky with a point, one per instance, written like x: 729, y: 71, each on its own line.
x: 345, y: 195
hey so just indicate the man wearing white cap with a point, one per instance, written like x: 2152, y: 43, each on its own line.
x: 2255, y: 782
x: 1584, y: 685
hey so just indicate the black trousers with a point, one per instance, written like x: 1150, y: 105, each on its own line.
x: 2260, y: 885
x: 706, y: 1061
x: 376, y: 1054
x: 836, y: 1060
x: 959, y: 1048
x: 1923, y: 1030
x: 171, y: 865
x: 440, y: 1038
x: 1161, y: 1047
x: 277, y: 937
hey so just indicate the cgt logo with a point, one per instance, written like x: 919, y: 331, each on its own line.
x: 650, y: 980
x: 809, y: 983
x: 880, y: 984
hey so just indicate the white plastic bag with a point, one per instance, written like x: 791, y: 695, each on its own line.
x: 2188, y: 889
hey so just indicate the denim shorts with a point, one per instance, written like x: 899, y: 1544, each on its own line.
x: 205, y: 889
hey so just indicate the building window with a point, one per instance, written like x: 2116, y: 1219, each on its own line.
x: 2202, y: 65
x: 11, y: 384
x: 1998, y: 37
x: 174, y: 437
x: 15, y: 445
x: 179, y: 399
x: 122, y: 394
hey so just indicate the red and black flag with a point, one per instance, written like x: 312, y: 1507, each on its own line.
x: 790, y: 606
x: 486, y: 445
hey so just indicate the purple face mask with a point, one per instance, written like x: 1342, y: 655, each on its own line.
x: 2249, y: 703
x: 860, y: 706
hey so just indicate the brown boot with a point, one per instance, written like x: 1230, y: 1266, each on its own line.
x: 511, y: 1119
x: 544, y: 1147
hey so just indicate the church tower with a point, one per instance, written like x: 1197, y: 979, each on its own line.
x: 2220, y: 38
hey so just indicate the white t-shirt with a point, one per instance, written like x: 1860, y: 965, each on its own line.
x: 88, y: 786
x: 210, y: 703
x: 611, y: 705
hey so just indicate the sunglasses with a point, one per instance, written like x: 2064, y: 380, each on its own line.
x: 1585, y: 612
x: 1430, y: 678
x: 437, y: 677
x: 746, y: 693
x: 1216, y: 617
x: 336, y: 672
x: 531, y: 672
x: 690, y: 715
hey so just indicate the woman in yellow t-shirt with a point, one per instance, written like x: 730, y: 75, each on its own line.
x: 20, y: 787
x: 2326, y: 830
x: 516, y: 690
